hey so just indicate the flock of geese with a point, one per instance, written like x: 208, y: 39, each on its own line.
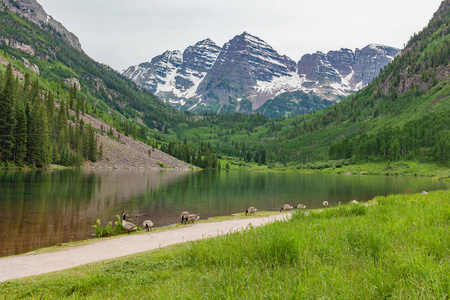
x: 188, y: 217
x: 288, y: 207
x: 148, y: 224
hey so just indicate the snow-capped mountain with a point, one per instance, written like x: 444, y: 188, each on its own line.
x: 174, y: 76
x: 246, y: 72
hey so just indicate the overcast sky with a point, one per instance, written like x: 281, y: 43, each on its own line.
x: 124, y: 33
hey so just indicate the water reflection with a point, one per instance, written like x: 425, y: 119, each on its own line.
x: 45, y: 208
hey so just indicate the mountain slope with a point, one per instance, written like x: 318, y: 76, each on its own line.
x: 246, y: 72
x: 33, y: 11
x: 409, y: 92
x: 89, y: 97
x: 56, y: 60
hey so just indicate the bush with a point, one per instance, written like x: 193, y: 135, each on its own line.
x: 108, y: 230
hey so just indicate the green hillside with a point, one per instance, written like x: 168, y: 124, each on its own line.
x: 105, y: 89
x: 412, y: 91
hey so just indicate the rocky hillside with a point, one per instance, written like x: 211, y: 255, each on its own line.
x: 247, y: 72
x: 33, y: 11
x: 123, y: 152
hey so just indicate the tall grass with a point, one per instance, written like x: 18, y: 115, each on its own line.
x: 392, y: 247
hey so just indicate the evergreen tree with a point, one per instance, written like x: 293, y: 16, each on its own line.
x: 100, y: 152
x: 92, y: 145
x: 6, y: 116
x: 20, y: 133
x: 43, y: 145
x: 31, y: 133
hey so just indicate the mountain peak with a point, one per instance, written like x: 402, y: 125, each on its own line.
x: 206, y: 42
x: 253, y: 39
x: 249, y: 68
x: 34, y: 12
x: 375, y: 46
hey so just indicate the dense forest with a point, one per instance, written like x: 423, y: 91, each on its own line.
x: 33, y: 131
x: 426, y: 139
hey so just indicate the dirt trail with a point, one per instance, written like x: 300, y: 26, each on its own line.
x: 35, y: 264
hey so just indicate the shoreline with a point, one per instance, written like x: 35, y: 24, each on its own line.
x: 400, y: 168
x: 31, y: 263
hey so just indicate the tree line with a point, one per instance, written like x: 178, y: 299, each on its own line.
x: 33, y: 131
x: 425, y: 139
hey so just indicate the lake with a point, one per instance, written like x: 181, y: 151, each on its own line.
x: 40, y: 209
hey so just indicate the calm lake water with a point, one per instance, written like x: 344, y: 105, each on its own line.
x: 40, y: 209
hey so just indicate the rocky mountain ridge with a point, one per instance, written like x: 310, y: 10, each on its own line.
x: 33, y: 11
x: 247, y: 72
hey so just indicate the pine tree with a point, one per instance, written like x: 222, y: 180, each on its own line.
x: 6, y: 116
x: 100, y: 152
x: 31, y: 133
x: 92, y: 145
x: 20, y: 132
x: 43, y: 145
x: 72, y: 97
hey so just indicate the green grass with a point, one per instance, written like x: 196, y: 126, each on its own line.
x: 397, y: 247
x: 406, y: 168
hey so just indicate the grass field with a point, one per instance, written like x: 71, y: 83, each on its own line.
x: 407, y: 168
x: 397, y: 246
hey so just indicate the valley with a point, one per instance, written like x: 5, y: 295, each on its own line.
x: 360, y: 136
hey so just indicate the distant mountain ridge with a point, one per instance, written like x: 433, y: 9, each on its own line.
x: 246, y: 72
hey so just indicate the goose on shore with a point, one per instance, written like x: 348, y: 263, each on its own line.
x: 251, y: 210
x: 148, y: 224
x: 302, y: 206
x: 184, y: 216
x: 325, y: 204
x: 286, y: 207
x: 192, y: 218
x: 128, y: 225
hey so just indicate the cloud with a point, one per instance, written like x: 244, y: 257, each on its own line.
x: 123, y: 33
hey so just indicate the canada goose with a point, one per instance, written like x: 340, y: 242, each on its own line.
x: 192, y: 218
x: 128, y: 225
x: 302, y: 206
x: 251, y: 210
x: 140, y: 215
x: 184, y: 216
x: 325, y: 204
x: 148, y: 224
x: 287, y: 207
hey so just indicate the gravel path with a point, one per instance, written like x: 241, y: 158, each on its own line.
x: 35, y: 264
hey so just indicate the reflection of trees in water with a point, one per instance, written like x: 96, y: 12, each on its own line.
x: 45, y: 208
x: 345, y: 188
